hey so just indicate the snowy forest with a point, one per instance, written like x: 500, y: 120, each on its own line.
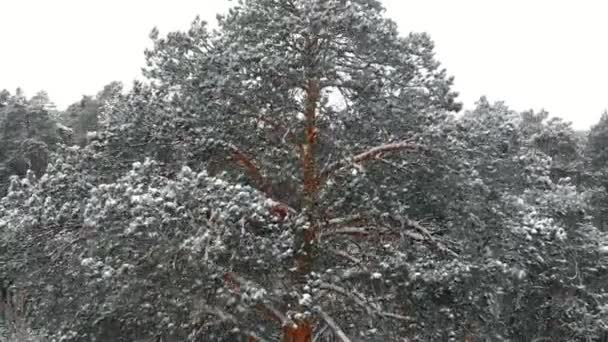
x: 303, y: 172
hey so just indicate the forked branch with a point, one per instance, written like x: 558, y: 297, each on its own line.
x: 252, y: 170
x: 365, y: 303
x: 427, y: 237
x: 370, y: 154
x: 397, y: 225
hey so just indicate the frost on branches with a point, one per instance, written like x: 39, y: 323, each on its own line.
x: 193, y: 256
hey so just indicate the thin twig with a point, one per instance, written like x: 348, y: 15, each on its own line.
x: 345, y: 220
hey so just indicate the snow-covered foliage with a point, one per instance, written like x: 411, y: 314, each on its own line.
x: 525, y: 232
x: 123, y: 240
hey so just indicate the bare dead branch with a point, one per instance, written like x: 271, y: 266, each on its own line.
x: 348, y: 256
x: 395, y: 316
x: 345, y: 220
x: 359, y: 231
x: 428, y: 237
x: 320, y: 333
x: 333, y: 325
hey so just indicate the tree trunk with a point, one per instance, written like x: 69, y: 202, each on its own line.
x: 306, y: 237
x: 304, y: 242
x: 299, y: 333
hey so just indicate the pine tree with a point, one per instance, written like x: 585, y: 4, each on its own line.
x: 300, y: 174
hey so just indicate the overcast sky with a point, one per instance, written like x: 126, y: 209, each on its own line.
x: 531, y: 54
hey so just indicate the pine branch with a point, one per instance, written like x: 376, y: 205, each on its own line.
x: 347, y: 256
x: 235, y: 282
x: 419, y: 232
x: 224, y: 317
x: 364, y: 302
x: 251, y: 168
x: 344, y: 292
x: 370, y: 154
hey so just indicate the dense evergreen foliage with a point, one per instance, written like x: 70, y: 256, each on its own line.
x: 302, y: 173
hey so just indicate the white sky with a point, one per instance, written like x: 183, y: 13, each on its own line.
x: 531, y: 54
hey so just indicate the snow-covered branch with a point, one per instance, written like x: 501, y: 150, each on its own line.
x: 372, y: 153
x: 235, y: 282
x: 363, y: 302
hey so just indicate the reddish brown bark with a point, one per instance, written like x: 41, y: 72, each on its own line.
x: 252, y: 170
x: 305, y: 258
x: 280, y: 211
x: 231, y: 281
x: 311, y: 179
x: 299, y: 333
